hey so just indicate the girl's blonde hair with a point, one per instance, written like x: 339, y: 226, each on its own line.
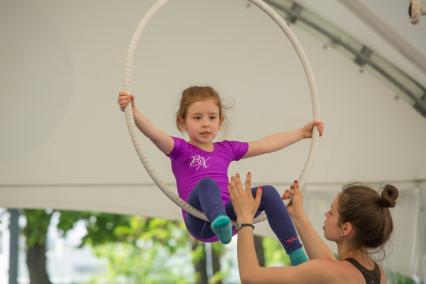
x: 195, y: 94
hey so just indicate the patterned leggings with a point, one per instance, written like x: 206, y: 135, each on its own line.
x: 206, y: 198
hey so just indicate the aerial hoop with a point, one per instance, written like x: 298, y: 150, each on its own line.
x: 134, y: 132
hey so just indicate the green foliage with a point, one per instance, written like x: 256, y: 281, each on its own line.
x: 37, y: 223
x: 218, y: 251
x: 274, y: 253
x: 68, y: 219
x: 135, y: 249
x: 147, y: 250
x: 198, y: 253
x: 102, y: 228
x: 217, y: 277
x: 218, y: 248
x: 150, y: 263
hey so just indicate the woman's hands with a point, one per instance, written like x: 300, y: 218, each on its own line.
x: 124, y: 98
x: 245, y: 206
x: 295, y: 207
x: 309, y: 127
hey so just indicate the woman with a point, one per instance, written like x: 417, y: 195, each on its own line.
x: 358, y: 221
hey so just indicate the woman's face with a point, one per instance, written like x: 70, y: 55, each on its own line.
x: 332, y: 229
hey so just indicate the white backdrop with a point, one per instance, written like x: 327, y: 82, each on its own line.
x: 64, y: 143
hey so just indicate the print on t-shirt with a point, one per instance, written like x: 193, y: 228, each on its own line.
x: 199, y: 161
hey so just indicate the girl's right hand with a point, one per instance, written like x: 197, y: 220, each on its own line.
x: 295, y: 207
x: 124, y: 98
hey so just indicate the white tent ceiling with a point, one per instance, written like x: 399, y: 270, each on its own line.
x: 384, y: 26
x: 65, y: 145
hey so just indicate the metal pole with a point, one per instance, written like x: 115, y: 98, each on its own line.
x: 14, y: 246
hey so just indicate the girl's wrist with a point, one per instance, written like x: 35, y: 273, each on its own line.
x: 303, y: 133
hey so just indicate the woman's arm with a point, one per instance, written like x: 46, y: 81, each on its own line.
x: 315, y: 247
x: 245, y: 206
x: 313, y: 271
x: 281, y: 140
x: 163, y: 141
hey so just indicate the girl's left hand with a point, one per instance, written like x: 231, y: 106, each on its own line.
x: 245, y: 206
x: 309, y: 127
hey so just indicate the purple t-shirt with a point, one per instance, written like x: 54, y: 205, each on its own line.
x: 190, y: 164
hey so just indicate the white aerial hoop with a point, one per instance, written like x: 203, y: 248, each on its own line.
x: 134, y: 132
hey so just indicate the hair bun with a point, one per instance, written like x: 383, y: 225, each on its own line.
x: 389, y: 196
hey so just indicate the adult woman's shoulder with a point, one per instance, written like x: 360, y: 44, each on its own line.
x: 351, y: 274
x: 327, y: 271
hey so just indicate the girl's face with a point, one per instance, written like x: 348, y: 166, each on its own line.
x: 202, y: 122
x: 332, y: 228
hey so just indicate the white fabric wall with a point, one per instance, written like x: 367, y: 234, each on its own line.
x: 64, y: 143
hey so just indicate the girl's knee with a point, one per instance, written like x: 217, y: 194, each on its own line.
x: 269, y: 191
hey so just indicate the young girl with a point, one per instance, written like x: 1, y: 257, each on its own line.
x: 200, y: 167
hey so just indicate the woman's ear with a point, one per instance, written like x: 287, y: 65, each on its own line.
x: 347, y: 229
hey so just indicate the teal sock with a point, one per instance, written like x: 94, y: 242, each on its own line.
x: 298, y: 256
x: 222, y: 227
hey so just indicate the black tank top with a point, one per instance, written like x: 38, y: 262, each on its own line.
x: 371, y: 276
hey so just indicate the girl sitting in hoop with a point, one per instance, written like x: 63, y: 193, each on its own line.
x: 200, y: 167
